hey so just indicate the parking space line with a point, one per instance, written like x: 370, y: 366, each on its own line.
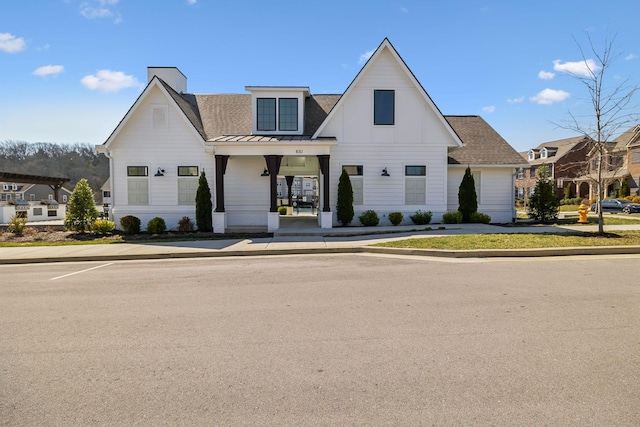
x: 81, y: 271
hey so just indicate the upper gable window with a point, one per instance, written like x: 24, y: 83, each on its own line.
x: 266, y: 114
x: 288, y: 114
x: 384, y: 107
x: 159, y: 114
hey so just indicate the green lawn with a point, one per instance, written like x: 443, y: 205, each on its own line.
x: 518, y: 241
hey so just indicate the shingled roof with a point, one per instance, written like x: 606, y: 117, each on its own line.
x: 215, y: 115
x: 483, y: 145
x: 218, y: 115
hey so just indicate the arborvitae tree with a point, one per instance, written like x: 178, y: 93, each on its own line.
x: 467, y: 197
x: 81, y: 208
x: 204, y: 205
x: 624, y: 190
x: 344, y: 207
x: 544, y: 203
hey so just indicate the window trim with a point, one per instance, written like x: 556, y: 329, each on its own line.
x: 379, y: 107
x: 358, y: 172
x: 281, y: 128
x: 131, y: 169
x: 264, y: 115
x: 422, y: 173
x: 181, y: 173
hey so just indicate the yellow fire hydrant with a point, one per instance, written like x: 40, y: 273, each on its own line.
x: 582, y: 211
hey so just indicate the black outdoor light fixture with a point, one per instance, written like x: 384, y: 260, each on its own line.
x: 265, y: 173
x: 385, y: 172
x: 160, y: 172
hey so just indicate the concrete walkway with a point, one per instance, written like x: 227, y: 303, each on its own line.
x: 311, y: 240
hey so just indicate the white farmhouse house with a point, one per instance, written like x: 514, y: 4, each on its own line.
x: 401, y: 153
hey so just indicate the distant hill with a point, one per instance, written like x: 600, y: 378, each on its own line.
x: 73, y: 161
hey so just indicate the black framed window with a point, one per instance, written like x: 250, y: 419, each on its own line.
x: 288, y: 114
x: 187, y: 170
x: 266, y: 108
x: 415, y: 171
x: 137, y: 171
x: 353, y: 170
x: 384, y: 107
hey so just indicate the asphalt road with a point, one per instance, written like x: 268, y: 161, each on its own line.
x: 322, y: 340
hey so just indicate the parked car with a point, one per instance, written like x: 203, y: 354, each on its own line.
x: 617, y: 205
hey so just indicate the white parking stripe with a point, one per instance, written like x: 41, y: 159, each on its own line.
x: 81, y: 271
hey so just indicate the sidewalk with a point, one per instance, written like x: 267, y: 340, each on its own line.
x: 312, y: 241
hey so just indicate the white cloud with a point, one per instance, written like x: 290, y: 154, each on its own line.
x: 365, y: 56
x: 488, y: 109
x: 192, y: 1
x: 584, y: 68
x: 515, y: 100
x: 109, y: 81
x: 550, y: 96
x: 546, y: 75
x: 631, y: 56
x: 97, y: 9
x: 11, y: 44
x: 47, y: 70
x: 404, y: 10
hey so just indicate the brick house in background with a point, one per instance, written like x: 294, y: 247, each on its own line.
x: 621, y: 163
x: 565, y: 160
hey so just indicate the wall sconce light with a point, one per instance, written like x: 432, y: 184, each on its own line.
x: 265, y: 173
x: 160, y: 172
x: 384, y: 172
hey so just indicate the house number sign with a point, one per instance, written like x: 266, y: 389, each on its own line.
x: 299, y: 151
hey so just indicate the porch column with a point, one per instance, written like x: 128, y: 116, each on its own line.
x: 273, y: 166
x: 289, y: 179
x: 323, y: 160
x: 221, y: 168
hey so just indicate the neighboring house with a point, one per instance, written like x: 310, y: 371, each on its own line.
x: 621, y: 162
x: 564, y: 160
x: 32, y: 197
x: 401, y: 153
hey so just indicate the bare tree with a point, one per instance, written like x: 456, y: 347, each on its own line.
x: 610, y: 107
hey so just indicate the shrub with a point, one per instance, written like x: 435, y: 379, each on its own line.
x: 103, y: 226
x: 17, y: 225
x: 453, y: 217
x: 467, y: 197
x: 185, y: 225
x: 396, y: 217
x: 624, y: 190
x: 480, y: 218
x: 282, y: 210
x: 204, y: 205
x: 421, y: 217
x: 544, y: 203
x: 344, y: 206
x: 156, y: 226
x: 369, y: 218
x: 636, y: 199
x: 81, y: 209
x: 130, y: 224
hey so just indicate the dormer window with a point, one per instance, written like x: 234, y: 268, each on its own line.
x: 532, y: 155
x: 278, y: 110
x: 543, y: 153
x: 266, y: 114
x: 286, y: 114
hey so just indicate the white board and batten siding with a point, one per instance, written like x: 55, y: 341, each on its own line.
x: 247, y: 197
x: 157, y: 130
x: 494, y: 191
x: 418, y: 137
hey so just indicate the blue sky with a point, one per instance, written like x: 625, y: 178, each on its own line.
x: 72, y: 68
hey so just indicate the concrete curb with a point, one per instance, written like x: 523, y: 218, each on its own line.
x: 478, y: 253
